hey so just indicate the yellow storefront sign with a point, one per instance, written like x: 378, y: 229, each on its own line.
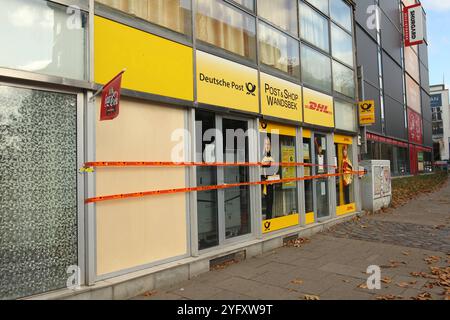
x: 154, y: 65
x: 275, y: 128
x: 280, y: 223
x: 226, y: 84
x: 318, y: 108
x: 343, y: 139
x: 280, y: 98
x: 367, y: 112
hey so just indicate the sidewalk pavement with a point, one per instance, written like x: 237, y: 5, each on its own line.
x: 411, y: 244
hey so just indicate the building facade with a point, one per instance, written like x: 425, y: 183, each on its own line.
x: 440, y: 109
x: 219, y: 98
x: 397, y: 79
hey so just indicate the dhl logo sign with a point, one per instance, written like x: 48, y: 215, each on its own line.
x: 319, y: 107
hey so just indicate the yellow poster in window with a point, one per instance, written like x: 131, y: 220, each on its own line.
x: 224, y: 83
x: 288, y: 156
x: 280, y: 98
x: 318, y: 108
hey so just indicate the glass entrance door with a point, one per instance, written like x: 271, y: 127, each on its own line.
x: 236, y: 200
x: 321, y: 185
x: 222, y: 215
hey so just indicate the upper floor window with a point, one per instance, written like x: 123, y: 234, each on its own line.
x: 341, y: 12
x: 226, y: 27
x: 314, y: 27
x: 322, y: 5
x: 41, y: 37
x: 171, y: 14
x: 316, y: 69
x: 282, y: 13
x: 278, y: 50
x: 342, y: 45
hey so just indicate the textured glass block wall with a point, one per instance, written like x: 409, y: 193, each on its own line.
x: 38, y: 190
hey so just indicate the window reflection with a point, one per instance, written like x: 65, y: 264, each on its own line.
x: 314, y: 27
x: 278, y: 50
x: 49, y: 42
x: 282, y: 13
x: 316, y: 69
x: 226, y: 27
x: 342, y: 45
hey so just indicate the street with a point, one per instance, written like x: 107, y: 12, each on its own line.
x: 406, y: 243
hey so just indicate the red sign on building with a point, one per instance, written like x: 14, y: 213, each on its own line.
x: 415, y: 131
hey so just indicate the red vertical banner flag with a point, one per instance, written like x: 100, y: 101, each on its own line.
x: 109, y: 108
x: 413, y: 24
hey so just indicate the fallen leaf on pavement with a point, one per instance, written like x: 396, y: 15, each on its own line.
x: 363, y: 286
x: 386, y: 280
x: 311, y: 297
x: 423, y: 296
x: 149, y: 293
x: 403, y: 284
x: 388, y: 297
x: 297, y: 281
x: 432, y: 259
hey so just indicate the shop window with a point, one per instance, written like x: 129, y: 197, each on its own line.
x: 345, y: 194
x: 226, y: 27
x: 341, y: 13
x: 322, y: 193
x: 282, y: 13
x: 428, y: 163
x: 421, y: 162
x: 307, y: 159
x: 314, y: 27
x: 399, y: 165
x: 236, y: 200
x: 207, y: 201
x: 52, y: 41
x: 322, y: 5
x: 171, y: 14
x: 387, y: 152
x: 279, y: 201
x: 343, y: 80
x: 316, y: 69
x: 279, y: 51
x: 38, y: 197
x: 342, y: 45
x: 345, y: 115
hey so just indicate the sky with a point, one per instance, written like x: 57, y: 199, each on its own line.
x: 438, y: 21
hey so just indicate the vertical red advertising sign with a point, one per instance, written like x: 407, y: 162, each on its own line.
x: 413, y: 25
x: 415, y: 127
x: 109, y: 109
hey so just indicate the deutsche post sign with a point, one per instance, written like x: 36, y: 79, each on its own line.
x: 226, y: 84
x: 367, y: 113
